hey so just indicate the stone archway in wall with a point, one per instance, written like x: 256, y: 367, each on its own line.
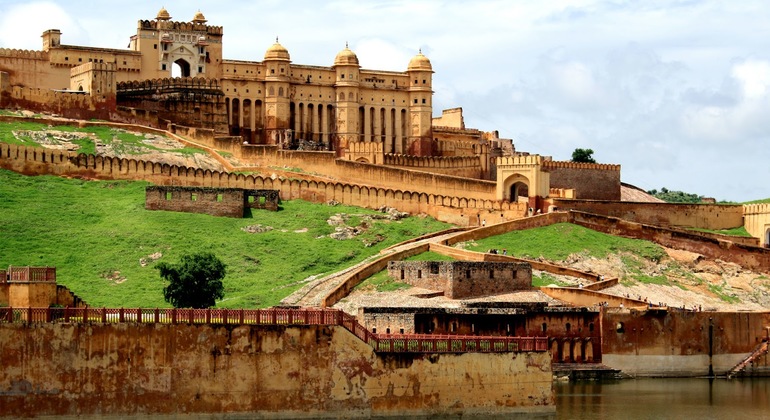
x: 516, y: 186
x: 181, y: 68
x: 767, y: 237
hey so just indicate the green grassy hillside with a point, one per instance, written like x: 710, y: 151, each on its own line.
x: 102, y: 241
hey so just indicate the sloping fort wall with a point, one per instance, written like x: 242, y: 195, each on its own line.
x: 266, y: 371
x: 702, y: 216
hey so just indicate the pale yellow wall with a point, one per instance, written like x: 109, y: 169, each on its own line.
x: 756, y: 219
x: 527, y: 169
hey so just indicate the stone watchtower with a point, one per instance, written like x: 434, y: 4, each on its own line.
x: 277, y: 101
x: 347, y: 92
x: 194, y: 47
x: 420, y: 106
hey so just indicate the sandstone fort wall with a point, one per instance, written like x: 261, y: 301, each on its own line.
x: 132, y: 369
x: 598, y: 181
x: 461, y: 166
x: 757, y: 222
x: 703, y: 216
x: 39, y: 161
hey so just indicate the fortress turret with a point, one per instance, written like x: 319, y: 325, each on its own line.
x: 347, y: 91
x: 420, y: 106
x: 277, y: 101
x: 51, y: 39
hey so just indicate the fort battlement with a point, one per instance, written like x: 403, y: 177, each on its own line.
x: 180, y: 26
x: 553, y: 164
x: 759, y: 208
x: 438, y: 162
x: 27, y: 54
x: 169, y: 83
x: 519, y: 160
x: 457, y: 209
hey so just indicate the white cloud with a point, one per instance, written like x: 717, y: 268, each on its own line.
x: 22, y: 24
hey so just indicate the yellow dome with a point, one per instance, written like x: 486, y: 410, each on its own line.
x: 346, y: 57
x: 277, y: 52
x: 199, y: 18
x: 163, y: 14
x: 420, y: 62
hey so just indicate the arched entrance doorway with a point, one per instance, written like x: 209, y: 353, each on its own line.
x: 519, y: 189
x: 181, y: 68
x: 767, y: 238
x: 516, y: 187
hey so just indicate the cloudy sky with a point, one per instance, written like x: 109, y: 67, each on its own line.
x: 677, y: 92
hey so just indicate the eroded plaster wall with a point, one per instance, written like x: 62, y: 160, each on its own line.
x: 266, y: 371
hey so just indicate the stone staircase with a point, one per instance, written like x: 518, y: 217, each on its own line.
x: 758, y: 352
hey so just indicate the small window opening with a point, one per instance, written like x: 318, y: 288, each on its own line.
x: 401, y: 331
x: 402, y: 274
x: 387, y: 331
x: 251, y: 199
x: 620, y: 327
x: 491, y: 274
x: 194, y: 197
x: 219, y: 198
x: 467, y: 274
x: 419, y: 274
x: 569, y: 327
x: 374, y: 330
x: 545, y: 326
x: 168, y: 196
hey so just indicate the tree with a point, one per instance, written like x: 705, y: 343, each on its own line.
x: 583, y: 155
x: 195, y: 282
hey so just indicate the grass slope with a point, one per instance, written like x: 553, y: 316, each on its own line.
x: 95, y: 233
x: 556, y: 242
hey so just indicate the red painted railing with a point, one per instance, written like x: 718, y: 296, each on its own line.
x: 28, y: 274
x: 387, y: 343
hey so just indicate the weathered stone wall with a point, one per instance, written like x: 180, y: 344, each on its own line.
x: 703, y: 216
x: 462, y: 166
x: 589, y: 180
x: 227, y: 202
x: 664, y: 343
x: 463, y: 279
x: 262, y: 371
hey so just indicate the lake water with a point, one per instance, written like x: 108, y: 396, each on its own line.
x: 680, y: 399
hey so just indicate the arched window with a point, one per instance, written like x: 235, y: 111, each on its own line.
x: 271, y: 91
x: 280, y: 92
x: 342, y: 96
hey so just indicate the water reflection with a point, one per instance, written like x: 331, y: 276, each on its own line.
x: 664, y: 399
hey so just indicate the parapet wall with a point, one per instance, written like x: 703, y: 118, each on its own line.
x: 459, y: 209
x: 462, y: 166
x: 701, y: 216
x: 261, y: 371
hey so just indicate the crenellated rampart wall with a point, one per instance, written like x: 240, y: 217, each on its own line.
x: 756, y: 219
x: 462, y: 166
x: 456, y: 209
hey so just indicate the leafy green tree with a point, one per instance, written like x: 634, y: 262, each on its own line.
x: 195, y: 282
x: 583, y: 155
x: 675, y: 196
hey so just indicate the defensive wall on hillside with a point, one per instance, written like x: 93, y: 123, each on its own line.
x: 599, y: 181
x: 462, y: 166
x: 454, y: 209
x: 748, y: 256
x: 701, y: 216
x: 278, y: 366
